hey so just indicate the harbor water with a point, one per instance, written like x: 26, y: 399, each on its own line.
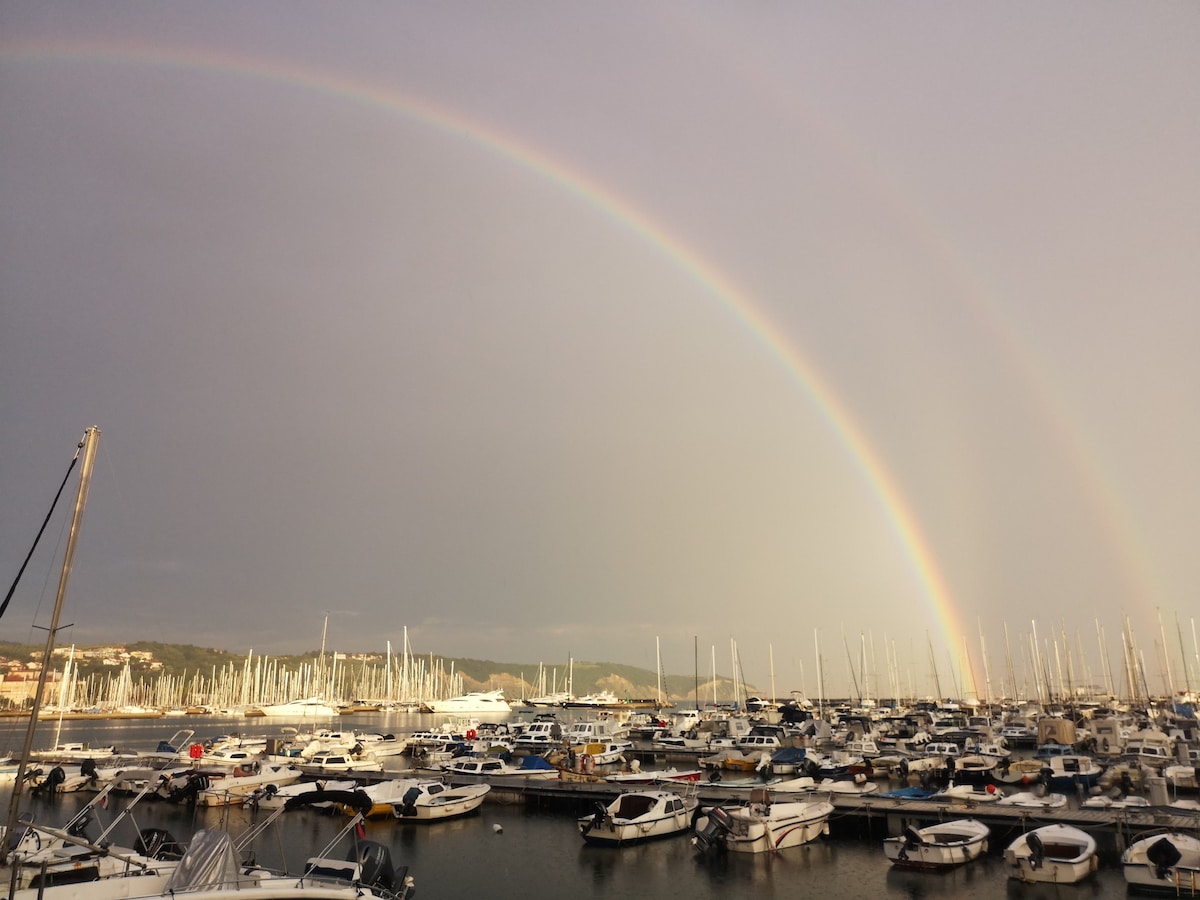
x: 523, y: 850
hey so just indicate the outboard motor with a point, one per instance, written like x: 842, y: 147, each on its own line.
x: 88, y: 768
x: 712, y: 836
x: 599, y: 814
x: 1037, y: 851
x: 54, y: 778
x: 191, y: 788
x: 1164, y: 855
x: 158, y: 843
x: 375, y: 864
x: 78, y: 826
x: 408, y: 803
x: 911, y: 839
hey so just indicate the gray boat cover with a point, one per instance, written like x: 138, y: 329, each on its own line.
x: 210, y: 863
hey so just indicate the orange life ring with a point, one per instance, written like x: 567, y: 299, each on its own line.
x: 471, y: 734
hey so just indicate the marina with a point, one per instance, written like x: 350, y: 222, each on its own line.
x: 537, y: 818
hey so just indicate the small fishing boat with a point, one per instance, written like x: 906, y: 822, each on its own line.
x: 1163, y: 863
x: 942, y: 845
x: 430, y: 801
x: 762, y: 825
x: 1055, y: 854
x: 638, y: 816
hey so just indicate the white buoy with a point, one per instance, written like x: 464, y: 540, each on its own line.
x: 498, y: 828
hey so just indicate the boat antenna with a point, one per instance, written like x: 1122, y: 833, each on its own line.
x: 91, y: 439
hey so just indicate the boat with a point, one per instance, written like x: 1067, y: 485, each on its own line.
x: 539, y: 736
x: 1163, y: 863
x: 969, y: 794
x: 1074, y: 771
x: 1034, y: 800
x: 1115, y: 800
x: 222, y: 787
x: 975, y: 769
x: 942, y: 845
x: 43, y: 857
x: 473, y: 702
x: 599, y: 753
x: 1019, y: 771
x: 73, y: 751
x: 638, y: 816
x: 1057, y: 854
x: 490, y: 767
x: 762, y: 825
x: 332, y: 762
x: 431, y: 801
x: 273, y: 796
x: 212, y: 867
x: 304, y: 708
x: 383, y: 796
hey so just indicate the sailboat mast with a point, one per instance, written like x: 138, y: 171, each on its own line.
x: 91, y: 439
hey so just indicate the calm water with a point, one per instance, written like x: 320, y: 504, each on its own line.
x: 538, y: 852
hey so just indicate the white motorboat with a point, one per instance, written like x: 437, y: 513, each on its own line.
x: 491, y: 767
x: 212, y: 867
x: 73, y: 751
x: 304, y: 708
x: 968, y: 794
x: 222, y: 787
x: 273, y: 796
x: 429, y: 801
x: 340, y: 761
x: 1105, y: 801
x: 43, y: 856
x: 1056, y: 854
x: 384, y: 795
x: 473, y: 702
x: 1183, y: 777
x: 1164, y: 863
x: 591, y: 731
x: 1074, y: 771
x: 601, y: 753
x: 638, y: 816
x: 539, y: 736
x: 1034, y: 800
x: 938, y: 846
x: 761, y: 825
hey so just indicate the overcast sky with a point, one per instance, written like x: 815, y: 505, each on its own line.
x: 547, y: 329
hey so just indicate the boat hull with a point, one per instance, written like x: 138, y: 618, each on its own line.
x: 1053, y: 854
x: 1163, y: 864
x: 638, y: 816
x: 942, y: 846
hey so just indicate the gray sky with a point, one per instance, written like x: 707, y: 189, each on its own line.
x: 547, y: 329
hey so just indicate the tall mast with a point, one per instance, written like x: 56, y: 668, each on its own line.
x: 91, y: 439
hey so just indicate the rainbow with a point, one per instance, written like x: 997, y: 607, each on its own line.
x: 494, y: 141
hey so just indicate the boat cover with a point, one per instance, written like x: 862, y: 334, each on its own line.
x: 210, y: 862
